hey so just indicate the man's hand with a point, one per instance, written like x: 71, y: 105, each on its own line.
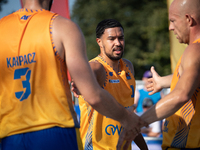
x: 74, y: 89
x: 127, y: 137
x: 153, y: 83
x: 132, y: 108
x: 131, y: 130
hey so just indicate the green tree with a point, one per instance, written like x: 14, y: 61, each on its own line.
x: 2, y: 2
x: 145, y: 25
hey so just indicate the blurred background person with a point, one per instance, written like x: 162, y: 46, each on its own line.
x: 141, y: 94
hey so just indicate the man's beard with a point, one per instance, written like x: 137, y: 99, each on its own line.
x: 118, y: 57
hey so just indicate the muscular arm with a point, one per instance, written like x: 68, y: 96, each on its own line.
x: 69, y: 41
x: 165, y: 81
x: 186, y: 86
x: 140, y: 142
x: 99, y: 72
x: 136, y: 98
x: 157, y: 83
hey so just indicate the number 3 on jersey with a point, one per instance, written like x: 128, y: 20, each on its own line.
x: 21, y: 95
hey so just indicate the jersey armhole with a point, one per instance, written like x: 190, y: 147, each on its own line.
x: 52, y: 42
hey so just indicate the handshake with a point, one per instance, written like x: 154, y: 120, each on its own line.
x: 131, y: 132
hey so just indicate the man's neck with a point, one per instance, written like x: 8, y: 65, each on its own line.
x: 35, y: 5
x: 194, y: 34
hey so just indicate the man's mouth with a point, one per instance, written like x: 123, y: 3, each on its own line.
x: 117, y: 49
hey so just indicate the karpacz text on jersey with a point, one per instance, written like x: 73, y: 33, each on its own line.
x: 21, y: 60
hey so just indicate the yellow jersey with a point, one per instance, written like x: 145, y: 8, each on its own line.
x: 181, y: 130
x: 34, y: 89
x: 98, y: 131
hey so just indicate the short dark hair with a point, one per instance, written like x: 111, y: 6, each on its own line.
x: 107, y: 23
x: 147, y: 102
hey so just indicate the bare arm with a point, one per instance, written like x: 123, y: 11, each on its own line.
x: 136, y: 98
x: 157, y: 83
x: 140, y: 142
x: 185, y: 88
x: 99, y: 72
x: 69, y: 37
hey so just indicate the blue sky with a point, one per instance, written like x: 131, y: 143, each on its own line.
x: 14, y: 5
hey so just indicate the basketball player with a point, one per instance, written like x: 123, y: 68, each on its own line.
x: 37, y: 49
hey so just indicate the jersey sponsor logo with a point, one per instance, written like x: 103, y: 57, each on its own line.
x: 165, y: 126
x: 21, y: 60
x: 114, y: 81
x: 111, y: 129
x: 25, y: 17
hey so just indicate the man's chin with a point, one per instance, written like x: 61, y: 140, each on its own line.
x: 182, y: 42
x: 117, y: 57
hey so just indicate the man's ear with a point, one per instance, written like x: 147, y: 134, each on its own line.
x: 99, y: 42
x: 190, y: 20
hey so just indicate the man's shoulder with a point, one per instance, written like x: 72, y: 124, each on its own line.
x: 193, y: 47
x: 192, y: 51
x: 96, y: 66
x: 128, y: 62
x: 64, y: 20
x: 129, y: 65
x: 99, y: 71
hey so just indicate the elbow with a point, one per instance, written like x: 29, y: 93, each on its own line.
x: 93, y: 98
x: 94, y: 102
x: 183, y: 98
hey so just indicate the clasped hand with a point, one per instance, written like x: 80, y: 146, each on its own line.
x: 131, y: 130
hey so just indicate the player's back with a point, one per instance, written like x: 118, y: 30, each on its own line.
x: 34, y: 90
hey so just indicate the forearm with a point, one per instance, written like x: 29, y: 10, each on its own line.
x: 145, y: 130
x: 140, y: 142
x: 165, y: 81
x: 106, y: 105
x: 164, y: 107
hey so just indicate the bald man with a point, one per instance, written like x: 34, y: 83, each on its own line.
x: 181, y: 107
x: 36, y: 49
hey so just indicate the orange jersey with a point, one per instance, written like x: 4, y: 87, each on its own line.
x: 98, y: 131
x: 181, y: 130
x: 34, y: 89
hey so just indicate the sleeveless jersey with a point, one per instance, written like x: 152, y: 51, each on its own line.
x: 181, y: 130
x: 34, y: 89
x: 98, y: 131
